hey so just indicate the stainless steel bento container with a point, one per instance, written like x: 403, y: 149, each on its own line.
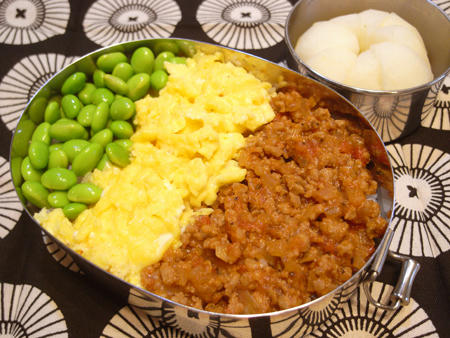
x: 295, y: 321
x: 395, y: 113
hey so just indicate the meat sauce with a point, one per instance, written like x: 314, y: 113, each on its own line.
x: 299, y: 225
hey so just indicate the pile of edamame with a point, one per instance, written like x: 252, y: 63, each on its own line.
x: 84, y: 127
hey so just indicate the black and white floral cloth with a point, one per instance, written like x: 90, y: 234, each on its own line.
x: 23, y: 80
x: 43, y: 292
x: 107, y: 21
x: 29, y: 21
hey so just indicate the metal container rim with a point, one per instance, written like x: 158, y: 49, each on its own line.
x: 113, y: 47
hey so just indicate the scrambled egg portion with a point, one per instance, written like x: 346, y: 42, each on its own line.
x: 184, y: 150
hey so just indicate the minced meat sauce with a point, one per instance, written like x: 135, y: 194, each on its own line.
x: 298, y: 226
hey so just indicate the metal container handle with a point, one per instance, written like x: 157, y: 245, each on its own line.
x: 402, y: 291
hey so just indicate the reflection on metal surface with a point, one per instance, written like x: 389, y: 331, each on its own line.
x: 358, y: 318
x: 388, y: 114
x: 60, y: 255
x: 308, y: 319
x: 192, y: 323
x: 436, y: 111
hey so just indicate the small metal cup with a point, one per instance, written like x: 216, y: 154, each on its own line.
x: 395, y: 113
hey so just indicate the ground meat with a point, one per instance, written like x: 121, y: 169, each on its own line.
x: 298, y: 226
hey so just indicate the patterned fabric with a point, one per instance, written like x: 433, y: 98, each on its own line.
x: 108, y: 22
x: 43, y: 292
x: 30, y: 21
x: 244, y: 24
x: 23, y: 80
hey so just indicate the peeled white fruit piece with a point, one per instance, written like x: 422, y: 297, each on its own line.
x: 323, y: 35
x: 400, y: 67
x: 370, y: 50
x: 366, y: 72
x: 401, y: 35
x: 350, y: 21
x: 393, y: 19
x: 370, y: 19
x: 334, y: 63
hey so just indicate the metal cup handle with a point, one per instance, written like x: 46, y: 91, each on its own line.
x: 402, y: 291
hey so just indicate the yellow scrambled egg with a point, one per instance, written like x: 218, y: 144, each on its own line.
x: 184, y: 150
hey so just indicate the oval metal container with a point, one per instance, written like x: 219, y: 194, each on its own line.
x: 295, y: 321
x: 395, y: 113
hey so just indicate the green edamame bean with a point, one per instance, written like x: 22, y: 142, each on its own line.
x: 117, y: 154
x: 16, y: 168
x: 103, y: 137
x: 73, y: 147
x: 65, y: 129
x: 122, y: 109
x: 85, y: 135
x: 86, y: 115
x: 102, y: 95
x: 55, y: 146
x: 37, y: 109
x: 158, y: 79
x: 99, y: 82
x: 46, y: 91
x: 107, y: 62
x: 186, y: 47
x: 41, y: 133
x: 87, y: 159
x: 87, y: 193
x: 29, y: 173
x: 22, y: 137
x: 71, y: 106
x: 138, y: 86
x: 116, y: 84
x: 86, y: 65
x: 121, y: 129
x: 72, y: 210
x: 38, y: 154
x: 20, y: 194
x: 166, y: 45
x: 125, y: 143
x: 74, y: 83
x: 58, y: 159
x: 55, y: 98
x: 100, y: 118
x: 161, y: 58
x: 123, y: 70
x: 58, y: 199
x: 142, y: 60
x: 85, y: 95
x: 35, y: 193
x: 58, y: 179
x: 178, y: 60
x: 52, y: 112
x: 103, y: 162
